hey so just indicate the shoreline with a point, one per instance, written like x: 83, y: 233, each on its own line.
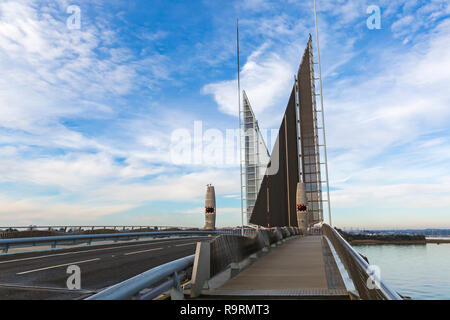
x: 413, y: 242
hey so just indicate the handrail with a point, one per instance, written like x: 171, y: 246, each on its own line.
x: 5, y: 244
x: 384, y: 288
x: 133, y: 286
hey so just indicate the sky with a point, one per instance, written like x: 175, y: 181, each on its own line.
x: 93, y: 107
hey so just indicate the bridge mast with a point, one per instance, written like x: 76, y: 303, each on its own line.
x: 323, y: 116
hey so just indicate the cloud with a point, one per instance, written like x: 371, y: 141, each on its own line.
x: 384, y: 106
x: 51, y: 68
x: 396, y: 104
x: 188, y: 187
x: 19, y: 212
x: 265, y: 79
x: 387, y: 133
x: 82, y: 111
x: 254, y: 5
x: 267, y: 75
x: 54, y: 82
x: 423, y: 17
x: 95, y: 198
x: 401, y: 24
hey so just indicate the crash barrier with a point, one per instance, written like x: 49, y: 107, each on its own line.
x: 49, y: 231
x: 43, y: 231
x: 133, y: 287
x: 6, y: 244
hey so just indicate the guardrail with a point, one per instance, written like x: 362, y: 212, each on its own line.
x: 6, y: 244
x: 359, y: 269
x: 13, y: 232
x: 74, y: 228
x: 133, y: 286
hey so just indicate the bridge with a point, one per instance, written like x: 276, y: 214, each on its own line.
x: 275, y: 263
x: 289, y: 253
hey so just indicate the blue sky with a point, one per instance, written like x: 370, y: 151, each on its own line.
x: 87, y: 116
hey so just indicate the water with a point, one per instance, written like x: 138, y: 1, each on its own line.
x: 418, y: 271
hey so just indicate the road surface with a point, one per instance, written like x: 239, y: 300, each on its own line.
x: 42, y: 275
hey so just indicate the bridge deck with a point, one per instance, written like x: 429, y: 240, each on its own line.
x: 300, y: 267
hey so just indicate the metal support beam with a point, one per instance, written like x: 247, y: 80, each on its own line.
x: 201, y: 270
x: 176, y: 293
x: 240, y: 124
x: 323, y: 116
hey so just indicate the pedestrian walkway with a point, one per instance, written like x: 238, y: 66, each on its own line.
x: 302, y: 267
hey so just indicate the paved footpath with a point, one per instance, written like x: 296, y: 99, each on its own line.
x: 299, y: 267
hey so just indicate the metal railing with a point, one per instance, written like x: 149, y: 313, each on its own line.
x: 368, y: 287
x: 132, y: 287
x: 227, y: 249
x: 53, y: 241
x: 74, y: 228
x: 13, y: 232
x: 156, y: 279
x: 6, y: 244
x: 117, y: 227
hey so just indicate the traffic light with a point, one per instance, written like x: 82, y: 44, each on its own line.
x: 302, y: 208
x: 209, y: 210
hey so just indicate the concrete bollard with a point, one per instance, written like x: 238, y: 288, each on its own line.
x: 210, y: 208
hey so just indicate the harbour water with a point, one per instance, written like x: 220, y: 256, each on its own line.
x: 418, y: 271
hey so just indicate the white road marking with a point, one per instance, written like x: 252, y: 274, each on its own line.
x: 142, y: 251
x: 61, y: 265
x: 38, y: 288
x: 92, y: 250
x: 185, y: 244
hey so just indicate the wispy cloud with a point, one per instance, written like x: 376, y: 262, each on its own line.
x: 382, y: 117
x: 90, y: 112
x: 266, y: 80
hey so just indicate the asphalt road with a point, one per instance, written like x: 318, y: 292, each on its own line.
x: 43, y: 275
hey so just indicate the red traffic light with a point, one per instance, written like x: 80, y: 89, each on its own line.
x: 302, y: 208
